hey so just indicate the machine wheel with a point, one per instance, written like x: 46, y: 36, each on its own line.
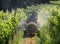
x: 38, y: 34
x: 24, y: 34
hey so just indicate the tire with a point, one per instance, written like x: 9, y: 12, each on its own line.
x: 38, y: 34
x: 24, y: 34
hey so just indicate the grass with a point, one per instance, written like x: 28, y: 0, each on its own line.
x: 37, y: 40
x: 17, y: 38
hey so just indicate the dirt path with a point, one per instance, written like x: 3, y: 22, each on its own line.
x: 30, y: 40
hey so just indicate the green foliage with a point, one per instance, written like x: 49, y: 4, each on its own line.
x: 55, y: 2
x: 55, y: 26
x: 9, y: 22
x: 45, y: 34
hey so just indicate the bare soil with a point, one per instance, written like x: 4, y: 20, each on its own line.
x: 31, y: 40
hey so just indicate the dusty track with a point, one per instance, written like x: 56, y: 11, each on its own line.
x: 31, y: 40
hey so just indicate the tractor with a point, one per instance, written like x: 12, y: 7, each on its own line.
x: 31, y: 25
